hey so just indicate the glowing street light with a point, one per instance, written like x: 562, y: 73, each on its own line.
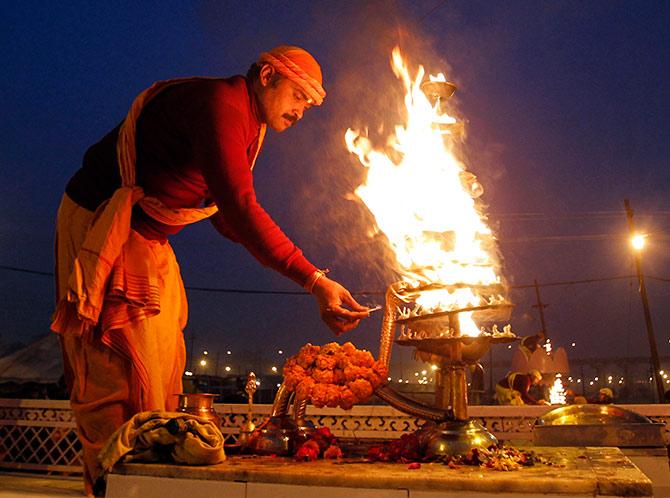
x: 645, y: 299
x: 638, y: 240
x: 203, y: 362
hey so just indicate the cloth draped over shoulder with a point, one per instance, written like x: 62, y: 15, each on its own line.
x: 164, y: 437
x: 111, y: 277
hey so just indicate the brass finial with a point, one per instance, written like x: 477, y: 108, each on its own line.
x: 248, y: 426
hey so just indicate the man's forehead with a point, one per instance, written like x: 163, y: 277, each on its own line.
x: 297, y: 88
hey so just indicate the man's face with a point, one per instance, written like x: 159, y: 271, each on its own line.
x: 282, y: 102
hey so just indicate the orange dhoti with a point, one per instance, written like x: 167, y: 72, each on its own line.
x: 132, y: 358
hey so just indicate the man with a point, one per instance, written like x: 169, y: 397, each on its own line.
x: 514, y: 389
x: 184, y: 153
x: 605, y: 396
x: 530, y: 343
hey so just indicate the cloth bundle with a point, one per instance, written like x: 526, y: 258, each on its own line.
x: 164, y: 437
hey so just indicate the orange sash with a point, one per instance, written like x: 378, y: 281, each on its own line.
x: 105, y: 255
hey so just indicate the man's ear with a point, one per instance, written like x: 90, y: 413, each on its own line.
x: 266, y: 74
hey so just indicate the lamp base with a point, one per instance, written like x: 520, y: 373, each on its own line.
x: 455, y: 437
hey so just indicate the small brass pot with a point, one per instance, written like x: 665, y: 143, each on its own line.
x: 200, y: 404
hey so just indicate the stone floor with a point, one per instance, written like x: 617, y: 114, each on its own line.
x: 22, y: 485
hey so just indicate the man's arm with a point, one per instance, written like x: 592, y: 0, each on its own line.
x: 225, y: 166
x: 522, y: 384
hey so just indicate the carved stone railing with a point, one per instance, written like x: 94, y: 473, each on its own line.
x: 40, y: 435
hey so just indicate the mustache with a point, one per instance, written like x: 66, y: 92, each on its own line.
x: 291, y: 118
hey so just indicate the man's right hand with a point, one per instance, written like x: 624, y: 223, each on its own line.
x: 332, y: 299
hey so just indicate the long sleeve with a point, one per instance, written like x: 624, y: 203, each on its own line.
x: 222, y: 154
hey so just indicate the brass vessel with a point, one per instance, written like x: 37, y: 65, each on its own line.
x: 200, y: 404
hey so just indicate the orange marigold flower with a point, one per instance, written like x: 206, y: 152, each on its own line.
x: 323, y: 376
x: 320, y: 395
x: 338, y: 377
x: 347, y: 398
x: 330, y: 348
x: 348, y: 348
x: 332, y: 395
x: 307, y: 355
x: 361, y: 389
x: 362, y: 358
x: 304, y: 389
x: 351, y: 373
x: 326, y: 362
x: 333, y: 452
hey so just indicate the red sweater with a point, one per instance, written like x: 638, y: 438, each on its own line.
x: 195, y: 144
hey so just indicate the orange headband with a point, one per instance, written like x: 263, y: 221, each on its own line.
x: 299, y: 66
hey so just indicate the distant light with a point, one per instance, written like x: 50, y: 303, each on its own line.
x: 509, y: 346
x: 203, y: 362
x: 424, y: 372
x: 227, y: 369
x: 274, y: 369
x: 228, y: 352
x: 638, y: 241
x: 388, y: 378
x: 570, y: 379
x: 205, y: 353
x: 280, y: 352
x: 278, y: 385
x: 188, y: 373
x: 258, y: 382
x: 579, y: 380
x: 399, y: 381
x: 596, y: 379
x: 591, y: 383
x: 661, y: 372
x: 433, y: 367
x: 573, y: 344
x: 416, y: 374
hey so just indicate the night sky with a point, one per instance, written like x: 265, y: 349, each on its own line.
x: 567, y: 109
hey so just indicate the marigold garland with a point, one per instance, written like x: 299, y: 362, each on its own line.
x: 334, y: 375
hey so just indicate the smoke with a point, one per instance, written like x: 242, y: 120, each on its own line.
x: 363, y: 93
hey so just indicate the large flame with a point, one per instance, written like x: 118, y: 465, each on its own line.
x: 426, y: 204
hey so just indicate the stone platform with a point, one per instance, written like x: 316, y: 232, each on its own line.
x: 583, y: 472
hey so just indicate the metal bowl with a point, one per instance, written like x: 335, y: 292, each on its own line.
x: 596, y: 425
x: 276, y: 436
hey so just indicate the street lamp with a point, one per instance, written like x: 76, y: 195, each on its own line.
x: 638, y: 242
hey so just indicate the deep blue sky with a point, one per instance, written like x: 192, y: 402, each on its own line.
x: 568, y: 113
